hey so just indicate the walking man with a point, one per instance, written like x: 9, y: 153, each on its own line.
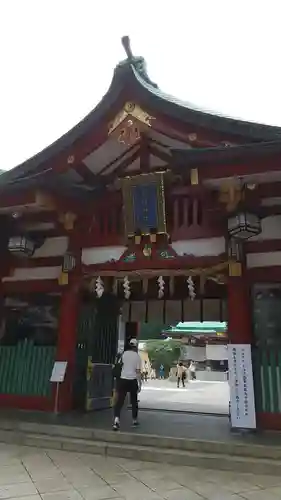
x: 181, y: 374
x: 128, y: 383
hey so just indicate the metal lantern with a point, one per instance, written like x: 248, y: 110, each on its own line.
x: 21, y: 246
x: 244, y: 225
x: 69, y: 262
x: 235, y: 250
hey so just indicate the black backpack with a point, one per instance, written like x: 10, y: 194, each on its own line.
x: 117, y: 367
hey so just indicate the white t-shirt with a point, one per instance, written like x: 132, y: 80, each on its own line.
x: 131, y: 363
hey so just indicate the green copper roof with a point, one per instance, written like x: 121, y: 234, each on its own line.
x: 204, y: 328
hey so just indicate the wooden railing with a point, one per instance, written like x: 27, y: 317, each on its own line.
x: 267, y: 378
x: 187, y: 217
x: 25, y: 369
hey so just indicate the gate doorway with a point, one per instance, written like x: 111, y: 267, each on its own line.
x: 190, y: 331
x: 202, y: 350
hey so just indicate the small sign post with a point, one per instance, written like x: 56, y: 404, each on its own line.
x: 57, y: 377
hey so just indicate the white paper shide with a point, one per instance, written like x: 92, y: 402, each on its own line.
x: 242, y: 400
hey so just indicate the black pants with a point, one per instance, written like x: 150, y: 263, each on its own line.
x: 182, y: 379
x: 124, y: 387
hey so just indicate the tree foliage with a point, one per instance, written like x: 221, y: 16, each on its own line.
x: 163, y: 352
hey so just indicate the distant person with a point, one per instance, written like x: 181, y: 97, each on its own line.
x: 129, y: 382
x: 181, y: 374
x: 153, y: 374
x: 161, y: 372
x: 145, y: 372
x: 192, y: 370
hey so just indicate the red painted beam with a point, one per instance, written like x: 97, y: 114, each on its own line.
x: 263, y: 246
x: 269, y: 190
x: 31, y: 286
x: 154, y: 264
x: 269, y: 421
x: 37, y: 403
x: 197, y: 232
x: 18, y: 199
x: 239, y: 170
x: 264, y: 274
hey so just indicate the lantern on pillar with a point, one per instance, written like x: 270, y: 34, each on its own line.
x: 235, y: 249
x: 21, y: 246
x: 243, y: 225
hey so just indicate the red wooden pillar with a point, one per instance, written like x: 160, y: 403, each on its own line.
x: 239, y: 311
x: 67, y: 340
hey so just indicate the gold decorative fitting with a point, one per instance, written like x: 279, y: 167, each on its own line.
x: 63, y: 279
x: 129, y: 117
x: 67, y: 220
x: 231, y: 195
x: 147, y: 251
x: 192, y: 137
x: 70, y: 159
x: 45, y: 200
x: 129, y: 134
x: 235, y: 269
x: 194, y: 177
x: 137, y: 239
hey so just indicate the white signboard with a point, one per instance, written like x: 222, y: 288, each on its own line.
x: 58, y: 373
x: 242, y: 400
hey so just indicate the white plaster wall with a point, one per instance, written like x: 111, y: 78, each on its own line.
x: 195, y: 353
x: 216, y: 352
x: 52, y: 247
x: 99, y: 255
x: 271, y: 229
x: 263, y: 259
x: 34, y: 273
x: 200, y: 247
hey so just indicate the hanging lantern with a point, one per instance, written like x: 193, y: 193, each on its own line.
x: 235, y: 250
x: 126, y: 286
x: 69, y: 262
x: 161, y: 284
x: 191, y: 288
x: 99, y: 287
x: 243, y: 225
x: 21, y: 246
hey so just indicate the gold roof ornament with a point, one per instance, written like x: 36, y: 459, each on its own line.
x: 231, y: 195
x: 129, y: 122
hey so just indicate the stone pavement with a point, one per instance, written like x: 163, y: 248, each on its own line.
x: 33, y: 474
x: 197, y: 396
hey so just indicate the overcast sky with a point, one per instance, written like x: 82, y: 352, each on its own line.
x: 57, y: 59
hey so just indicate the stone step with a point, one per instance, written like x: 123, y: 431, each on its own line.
x: 216, y: 461
x: 234, y: 446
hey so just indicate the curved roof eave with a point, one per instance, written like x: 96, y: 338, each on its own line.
x: 29, y: 166
x: 132, y: 73
x: 190, y: 113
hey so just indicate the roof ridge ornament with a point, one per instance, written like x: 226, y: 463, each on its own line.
x: 125, y: 40
x: 137, y: 62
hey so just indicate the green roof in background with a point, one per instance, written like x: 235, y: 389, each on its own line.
x: 206, y: 327
x: 155, y: 330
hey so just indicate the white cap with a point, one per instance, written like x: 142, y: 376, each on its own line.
x: 133, y: 342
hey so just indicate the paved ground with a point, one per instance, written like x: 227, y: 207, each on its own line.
x: 33, y: 474
x: 197, y: 396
